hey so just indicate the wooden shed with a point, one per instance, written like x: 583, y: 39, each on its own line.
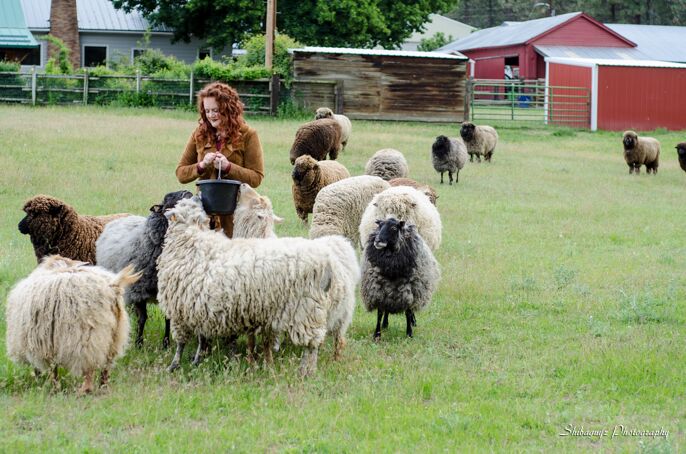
x: 388, y: 84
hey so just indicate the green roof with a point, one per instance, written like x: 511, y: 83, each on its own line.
x: 13, y: 31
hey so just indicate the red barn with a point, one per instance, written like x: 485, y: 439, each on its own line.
x: 523, y: 46
x: 625, y: 94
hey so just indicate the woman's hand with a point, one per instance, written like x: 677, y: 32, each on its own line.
x: 220, y: 162
x: 209, y: 159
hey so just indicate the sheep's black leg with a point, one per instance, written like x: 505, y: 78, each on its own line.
x: 165, y: 339
x: 457, y: 176
x: 471, y: 157
x: 384, y: 324
x: 409, y: 316
x: 414, y: 320
x: 201, y: 351
x: 450, y: 176
x: 177, y: 357
x: 441, y: 177
x: 377, y: 332
x: 142, y: 313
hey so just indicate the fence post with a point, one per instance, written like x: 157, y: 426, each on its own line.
x: 512, y: 97
x: 138, y: 81
x: 33, y: 86
x: 85, y: 88
x: 190, y: 91
x: 274, y: 89
x: 467, y: 98
x: 338, y: 95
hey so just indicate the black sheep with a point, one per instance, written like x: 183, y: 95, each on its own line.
x: 681, y: 151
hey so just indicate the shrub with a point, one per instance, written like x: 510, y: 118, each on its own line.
x: 9, y: 66
x: 61, y: 64
x: 433, y: 43
x: 282, y: 60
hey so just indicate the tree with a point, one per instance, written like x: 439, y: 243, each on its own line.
x: 354, y: 23
x: 433, y: 43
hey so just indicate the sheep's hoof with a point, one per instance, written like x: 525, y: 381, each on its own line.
x: 172, y: 367
x: 196, y: 361
x: 377, y: 337
x: 165, y: 343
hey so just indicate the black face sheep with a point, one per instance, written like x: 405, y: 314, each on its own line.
x: 317, y: 139
x: 138, y: 241
x: 479, y: 140
x: 387, y: 163
x: 681, y: 151
x: 56, y: 228
x: 448, y: 155
x: 70, y: 314
x: 641, y: 151
x: 309, y: 177
x: 421, y: 187
x: 346, y: 126
x: 213, y: 286
x: 399, y: 273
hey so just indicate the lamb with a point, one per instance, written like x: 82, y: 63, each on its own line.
x: 137, y: 240
x: 56, y: 228
x: 254, y: 216
x: 309, y: 177
x: 449, y: 155
x: 640, y: 151
x: 399, y: 273
x: 479, y: 140
x: 387, y: 163
x: 681, y: 151
x: 70, y: 314
x: 339, y: 206
x: 317, y: 139
x: 346, y: 126
x: 405, y: 204
x: 213, y: 286
x: 421, y: 187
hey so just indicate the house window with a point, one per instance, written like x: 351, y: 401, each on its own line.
x: 94, y: 56
x: 206, y: 52
x: 33, y: 57
x: 135, y: 53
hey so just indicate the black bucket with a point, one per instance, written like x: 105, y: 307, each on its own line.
x: 219, y: 196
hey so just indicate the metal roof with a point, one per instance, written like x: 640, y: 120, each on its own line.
x: 508, y: 34
x: 13, y: 30
x: 380, y: 52
x: 660, y: 42
x: 609, y: 53
x: 93, y: 15
x: 613, y: 62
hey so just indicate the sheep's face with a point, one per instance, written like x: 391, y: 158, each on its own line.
x: 630, y: 140
x: 467, y: 131
x: 249, y: 201
x: 388, y: 233
x: 681, y: 150
x: 441, y: 146
x: 305, y: 171
x: 189, y: 212
x: 323, y: 112
x: 44, y: 221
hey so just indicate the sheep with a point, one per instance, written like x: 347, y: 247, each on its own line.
x: 254, y: 216
x: 339, y: 206
x: 449, y: 155
x: 56, y: 228
x: 405, y: 204
x: 213, y: 286
x: 421, y: 187
x: 346, y: 126
x: 70, y: 314
x: 479, y: 140
x: 138, y: 241
x: 399, y: 273
x: 309, y: 177
x: 387, y: 163
x: 681, y: 151
x: 317, y: 139
x: 640, y: 151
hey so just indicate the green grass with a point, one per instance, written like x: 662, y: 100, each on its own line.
x: 561, y: 303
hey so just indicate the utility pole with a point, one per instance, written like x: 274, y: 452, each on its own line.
x: 269, y: 39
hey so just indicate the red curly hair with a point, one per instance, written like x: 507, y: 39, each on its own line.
x: 230, y: 112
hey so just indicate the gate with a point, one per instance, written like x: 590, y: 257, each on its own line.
x: 528, y: 101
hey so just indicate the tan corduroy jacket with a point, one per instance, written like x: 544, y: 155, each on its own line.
x: 246, y: 158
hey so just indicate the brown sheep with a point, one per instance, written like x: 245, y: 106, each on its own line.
x: 421, y: 187
x: 317, y: 139
x: 346, y: 126
x: 56, y: 228
x: 681, y: 151
x: 641, y: 151
x: 309, y: 177
x: 480, y: 140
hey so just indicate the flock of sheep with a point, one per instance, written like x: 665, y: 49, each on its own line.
x: 70, y: 311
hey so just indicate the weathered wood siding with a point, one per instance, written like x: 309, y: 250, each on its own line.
x: 383, y: 87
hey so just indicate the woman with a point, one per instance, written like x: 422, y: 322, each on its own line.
x: 222, y: 140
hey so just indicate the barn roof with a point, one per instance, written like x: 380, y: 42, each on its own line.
x: 13, y: 30
x: 661, y: 42
x: 615, y: 62
x: 611, y: 53
x: 380, y: 52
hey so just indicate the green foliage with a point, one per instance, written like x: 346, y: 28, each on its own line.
x: 61, y: 64
x: 282, y: 62
x: 153, y: 62
x: 437, y: 40
x: 214, y: 70
x: 9, y: 66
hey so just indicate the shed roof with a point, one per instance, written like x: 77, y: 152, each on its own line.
x: 93, y: 15
x: 614, y: 62
x: 13, y: 30
x: 610, y: 53
x: 380, y: 52
x: 661, y: 42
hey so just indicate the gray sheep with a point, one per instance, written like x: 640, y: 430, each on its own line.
x: 641, y: 151
x: 449, y: 155
x: 387, y: 163
x: 479, y: 140
x: 317, y: 139
x: 309, y: 177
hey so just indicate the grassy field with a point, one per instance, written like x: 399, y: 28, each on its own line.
x: 561, y: 308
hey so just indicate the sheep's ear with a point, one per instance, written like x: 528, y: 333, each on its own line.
x: 277, y: 219
x: 55, y: 209
x: 401, y: 224
x: 156, y: 208
x: 378, y: 222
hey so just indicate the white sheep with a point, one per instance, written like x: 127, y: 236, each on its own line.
x: 67, y: 313
x: 387, y: 163
x: 339, y: 206
x: 213, y: 286
x: 254, y: 216
x: 344, y: 121
x: 405, y: 204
